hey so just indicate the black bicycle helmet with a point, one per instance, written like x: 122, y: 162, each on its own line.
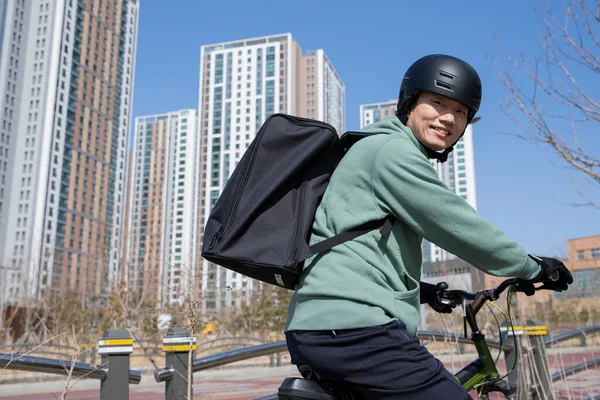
x: 441, y: 74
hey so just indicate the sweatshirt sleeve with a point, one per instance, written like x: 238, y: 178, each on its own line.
x: 405, y: 185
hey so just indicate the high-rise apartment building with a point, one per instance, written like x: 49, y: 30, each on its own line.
x: 371, y: 113
x: 163, y: 206
x: 241, y: 84
x: 66, y: 84
x: 458, y: 173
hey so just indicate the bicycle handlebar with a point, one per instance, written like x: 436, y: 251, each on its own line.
x: 456, y: 297
x: 477, y: 300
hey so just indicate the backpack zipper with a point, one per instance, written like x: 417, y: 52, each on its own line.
x: 302, y: 190
x: 216, y: 238
x: 297, y: 235
x: 237, y: 194
x: 242, y: 184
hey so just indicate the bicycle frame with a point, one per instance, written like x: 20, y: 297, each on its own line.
x: 480, y: 370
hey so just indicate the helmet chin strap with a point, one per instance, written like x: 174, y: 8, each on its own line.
x: 441, y: 157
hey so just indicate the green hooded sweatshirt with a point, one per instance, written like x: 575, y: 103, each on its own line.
x: 372, y: 280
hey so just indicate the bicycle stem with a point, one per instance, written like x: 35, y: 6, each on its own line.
x: 473, y: 308
x: 471, y: 320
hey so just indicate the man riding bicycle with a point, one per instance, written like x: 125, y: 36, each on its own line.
x: 355, y: 311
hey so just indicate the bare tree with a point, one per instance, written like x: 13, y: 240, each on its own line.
x: 264, y: 314
x: 553, y: 96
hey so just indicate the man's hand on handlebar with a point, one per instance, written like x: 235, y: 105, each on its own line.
x: 431, y: 294
x: 554, y: 274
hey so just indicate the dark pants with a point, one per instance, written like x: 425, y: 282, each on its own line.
x: 380, y: 362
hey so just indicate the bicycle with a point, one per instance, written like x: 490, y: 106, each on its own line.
x: 481, y: 374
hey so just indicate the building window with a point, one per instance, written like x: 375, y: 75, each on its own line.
x: 581, y: 255
x: 595, y: 253
x: 584, y: 285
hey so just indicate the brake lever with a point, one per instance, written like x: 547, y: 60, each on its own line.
x: 444, y: 299
x: 527, y: 287
x: 448, y: 298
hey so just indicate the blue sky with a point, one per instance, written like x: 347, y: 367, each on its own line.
x: 522, y: 188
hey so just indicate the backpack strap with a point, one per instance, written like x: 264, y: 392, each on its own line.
x: 385, y: 224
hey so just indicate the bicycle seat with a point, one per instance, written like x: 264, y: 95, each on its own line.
x: 302, y: 389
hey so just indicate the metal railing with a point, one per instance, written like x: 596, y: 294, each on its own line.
x: 581, y: 333
x: 228, y: 357
x: 574, y: 369
x: 59, y: 367
x: 114, y: 373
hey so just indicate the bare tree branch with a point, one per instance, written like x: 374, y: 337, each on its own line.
x: 589, y: 201
x: 549, y: 95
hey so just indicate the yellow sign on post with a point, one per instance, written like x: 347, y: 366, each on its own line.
x: 536, y: 330
x: 179, y: 344
x: 115, y: 346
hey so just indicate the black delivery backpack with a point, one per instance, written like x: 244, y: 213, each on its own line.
x: 261, y: 223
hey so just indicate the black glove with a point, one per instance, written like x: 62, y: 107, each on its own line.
x: 554, y: 275
x: 429, y: 295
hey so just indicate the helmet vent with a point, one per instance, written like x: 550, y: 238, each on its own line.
x: 446, y: 75
x: 444, y: 85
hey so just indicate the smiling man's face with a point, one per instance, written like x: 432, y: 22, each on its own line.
x: 437, y: 121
